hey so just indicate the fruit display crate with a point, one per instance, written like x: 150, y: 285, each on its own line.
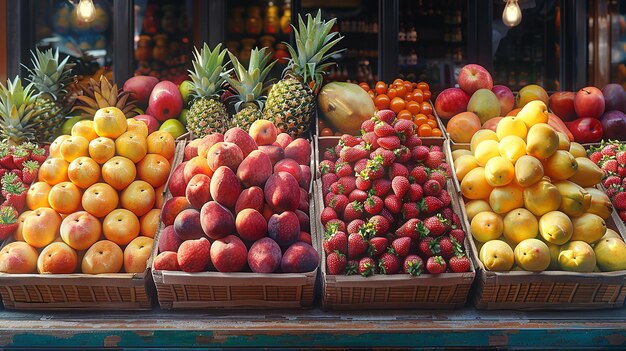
x: 548, y: 290
x: 397, y: 291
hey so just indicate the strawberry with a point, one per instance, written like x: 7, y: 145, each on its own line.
x: 337, y: 224
x: 352, y: 267
x: 436, y: 265
x: 380, y: 224
x: 343, y: 169
x: 413, y: 228
x: 357, y: 195
x: 401, y: 246
x: 366, y: 266
x: 29, y: 172
x: 413, y: 265
x: 621, y: 157
x: 337, y: 188
x: 355, y: 225
x: 389, y: 142
x: 430, y: 204
x: 613, y: 190
x: 446, y: 213
x: 20, y: 155
x: 336, y: 263
x: 458, y: 235
x: 368, y: 125
x: 360, y: 166
x: 3, y: 172
x: 348, y: 140
x: 432, y: 188
x: 6, y: 159
x: 609, y: 166
x: 619, y: 201
x: 388, y: 216
x: 456, y: 221
x: 429, y: 246
x: 388, y: 263
x: 330, y: 154
x: 327, y: 180
x: 404, y: 128
x: 435, y: 148
x: 410, y: 210
x: 434, y: 159
x: 445, y: 170
x: 393, y: 203
x: 621, y: 171
x: 419, y: 153
x: 10, y: 178
x: 337, y: 241
x: 357, y: 246
x: 373, y: 170
x: 348, y: 183
x: 371, y: 140
x: 39, y: 155
x: 386, y: 116
x: 403, y: 154
x: 8, y: 221
x: 400, y: 186
x: 362, y: 184
x: 354, y: 210
x: 595, y: 157
x: 17, y: 172
x: 415, y: 192
x: 459, y: 264
x: 419, y: 175
x: 388, y: 157
x: 609, y: 150
x: 622, y: 215
x: 327, y: 214
x: 446, y: 246
x: 381, y: 187
x: 326, y: 166
x: 338, y: 202
x: 610, y: 180
x: 438, y: 176
x: 398, y: 170
x: 436, y: 225
x: 373, y: 205
x: 413, y: 141
x: 445, y: 198
x: 17, y: 199
x: 378, y: 245
x: 383, y: 129
x: 623, y: 180
x: 353, y: 154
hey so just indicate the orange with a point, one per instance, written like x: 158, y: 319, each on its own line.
x: 100, y: 199
x: 85, y: 129
x: 380, y: 87
x: 463, y: 126
x: 427, y: 108
x: 150, y: 222
x: 413, y: 107
x: 474, y: 185
x: 119, y: 172
x: 56, y: 144
x: 154, y: 169
x: 138, y: 197
x: 120, y: 226
x: 159, y: 194
x: 53, y: 171
x: 382, y: 102
x: 101, y: 149
x: 161, y: 143
x: 41, y: 227
x: 424, y: 130
x: 37, y: 195
x: 397, y: 104
x: 83, y: 172
x: 131, y: 145
x: 64, y: 198
x: 404, y: 114
x: 420, y: 119
x: 110, y: 122
x: 74, y: 147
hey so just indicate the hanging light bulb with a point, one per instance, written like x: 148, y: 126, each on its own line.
x: 512, y: 14
x: 86, y: 10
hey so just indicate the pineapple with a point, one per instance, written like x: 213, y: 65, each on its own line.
x: 291, y: 101
x: 97, y: 95
x: 249, y: 86
x: 19, y: 115
x: 207, y: 113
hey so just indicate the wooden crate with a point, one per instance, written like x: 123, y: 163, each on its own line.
x: 549, y: 290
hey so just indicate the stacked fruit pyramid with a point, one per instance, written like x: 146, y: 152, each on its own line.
x: 105, y: 179
x: 532, y: 201
x: 387, y: 208
x: 240, y: 203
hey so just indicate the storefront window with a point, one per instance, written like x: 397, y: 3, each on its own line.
x: 618, y: 47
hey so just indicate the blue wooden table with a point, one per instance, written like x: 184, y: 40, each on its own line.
x: 161, y: 330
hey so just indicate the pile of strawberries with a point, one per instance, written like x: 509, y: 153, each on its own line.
x: 610, y: 156
x: 19, y: 166
x: 387, y: 209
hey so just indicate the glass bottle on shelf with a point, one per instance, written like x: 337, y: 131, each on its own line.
x: 236, y: 23
x: 254, y: 23
x: 412, y: 58
x: 271, y: 21
x: 412, y: 35
x: 402, y: 33
x: 285, y: 20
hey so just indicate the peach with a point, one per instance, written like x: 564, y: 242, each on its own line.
x: 37, y: 195
x: 83, y: 172
x: 101, y: 149
x: 18, y: 235
x: 103, y: 257
x: 187, y: 225
x: 137, y: 127
x: 160, y: 197
x: 299, y: 150
x: 55, y: 146
x: 263, y: 132
x: 138, y: 197
x: 255, y: 169
x: 131, y: 145
x: 198, y: 190
x: 209, y: 140
x: 242, y: 139
x: 18, y: 258
x: 194, y: 255
x: 53, y: 171
x: 154, y: 169
x: 74, y: 147
x: 217, y: 221
x: 41, y: 227
x: 224, y: 154
x: 283, y: 139
x: 250, y: 224
x: 264, y: 256
x: 197, y: 165
x: 120, y: 226
x: 119, y: 172
x: 80, y: 230
x: 168, y: 240
x: 225, y: 187
x: 282, y: 192
x: 57, y: 258
x: 149, y: 223
x: 177, y: 183
x: 162, y: 143
x: 303, y: 204
x: 290, y: 166
x: 299, y: 258
x: 251, y: 197
x: 275, y: 153
x: 166, y: 261
x: 65, y: 198
x: 268, y: 211
x: 100, y: 199
x: 305, y: 180
x: 305, y: 238
x: 191, y: 149
x: 172, y: 207
x: 85, y: 129
x: 229, y: 254
x: 284, y: 228
x: 303, y: 218
x: 137, y: 253
x: 110, y: 122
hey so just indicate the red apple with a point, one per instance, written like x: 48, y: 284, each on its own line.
x: 140, y: 88
x: 151, y: 122
x: 165, y: 101
x: 473, y: 77
x: 589, y: 102
x: 562, y: 104
x: 586, y: 130
x: 506, y: 98
x: 450, y: 102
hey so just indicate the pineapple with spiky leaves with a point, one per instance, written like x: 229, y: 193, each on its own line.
x: 291, y: 101
x: 20, y: 118
x: 50, y: 77
x: 207, y: 113
x: 97, y: 95
x: 249, y: 87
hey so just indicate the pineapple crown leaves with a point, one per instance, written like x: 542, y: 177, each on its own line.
x: 50, y: 75
x: 31, y: 165
x: 17, y: 108
x: 209, y: 71
x: 314, y: 41
x: 7, y: 215
x: 414, y: 268
x: 100, y: 94
x: 250, y: 84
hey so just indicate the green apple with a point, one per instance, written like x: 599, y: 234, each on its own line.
x: 174, y: 127
x: 185, y: 88
x: 183, y: 116
x: 66, y: 128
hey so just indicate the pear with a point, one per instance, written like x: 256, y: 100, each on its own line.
x: 499, y: 171
x: 564, y: 143
x: 577, y: 150
x: 506, y: 198
x: 610, y: 233
x: 600, y: 203
x: 534, y: 112
x: 588, y: 228
x: 541, y: 141
x: 542, y: 197
x: 480, y: 136
x: 496, y: 255
x: 560, y: 166
x: 575, y: 200
x: 556, y: 227
x: 611, y: 254
x: 475, y: 207
x: 520, y: 224
x: 577, y: 256
x: 532, y: 255
x: 484, y: 103
x: 588, y: 173
x: 512, y: 148
x: 463, y: 165
x: 528, y: 170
